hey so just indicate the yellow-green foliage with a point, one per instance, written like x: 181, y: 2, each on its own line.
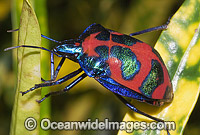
x: 28, y: 72
x: 179, y: 47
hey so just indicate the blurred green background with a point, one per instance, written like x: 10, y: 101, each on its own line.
x: 67, y: 19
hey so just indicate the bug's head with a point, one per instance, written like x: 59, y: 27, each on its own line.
x: 70, y: 51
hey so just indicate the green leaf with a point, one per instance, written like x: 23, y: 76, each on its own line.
x: 179, y: 47
x: 40, y: 7
x: 28, y: 72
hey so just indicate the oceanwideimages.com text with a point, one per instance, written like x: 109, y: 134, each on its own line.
x: 128, y: 126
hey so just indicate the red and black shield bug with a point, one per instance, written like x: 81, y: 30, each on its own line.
x: 123, y: 64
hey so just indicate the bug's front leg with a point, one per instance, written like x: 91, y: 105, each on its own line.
x: 58, y: 68
x: 54, y: 73
x: 132, y: 107
x: 51, y: 70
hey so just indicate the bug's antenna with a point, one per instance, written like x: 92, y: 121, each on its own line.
x: 13, y: 47
x: 12, y: 30
x: 53, y: 40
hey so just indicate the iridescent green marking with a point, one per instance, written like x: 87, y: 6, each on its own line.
x: 125, y: 39
x: 104, y: 36
x: 130, y: 65
x: 96, y: 66
x: 102, y: 51
x: 153, y: 79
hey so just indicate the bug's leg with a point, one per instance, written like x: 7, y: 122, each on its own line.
x: 54, y: 73
x: 132, y: 107
x: 60, y: 42
x: 67, y: 88
x: 29, y: 46
x: 43, y: 79
x: 135, y: 109
x: 162, y: 27
x: 52, y: 67
x: 51, y: 83
x: 58, y: 68
x: 53, y: 40
x: 12, y: 30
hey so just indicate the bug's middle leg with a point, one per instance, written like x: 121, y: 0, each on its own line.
x: 51, y: 83
x: 67, y: 88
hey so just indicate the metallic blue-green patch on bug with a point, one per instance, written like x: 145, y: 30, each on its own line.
x: 130, y: 65
x: 153, y: 80
x: 124, y: 39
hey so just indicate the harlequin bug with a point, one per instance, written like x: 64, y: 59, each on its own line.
x: 123, y: 64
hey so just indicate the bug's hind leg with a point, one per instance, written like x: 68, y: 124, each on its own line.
x: 132, y: 107
x: 162, y: 27
x: 51, y: 83
x: 67, y: 88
